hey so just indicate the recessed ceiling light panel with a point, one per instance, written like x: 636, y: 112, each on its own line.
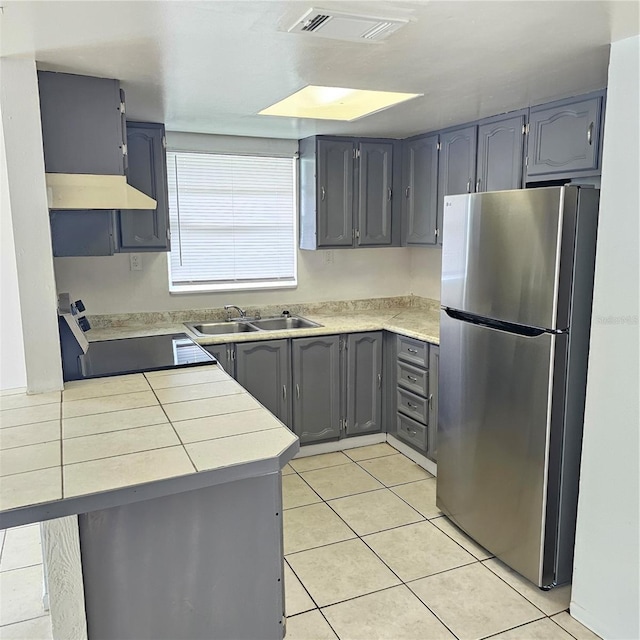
x: 335, y: 103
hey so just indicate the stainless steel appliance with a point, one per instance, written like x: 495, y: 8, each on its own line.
x: 517, y: 280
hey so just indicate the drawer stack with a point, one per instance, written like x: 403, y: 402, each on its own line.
x: 412, y: 393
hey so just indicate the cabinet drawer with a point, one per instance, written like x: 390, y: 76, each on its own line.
x: 412, y: 378
x: 411, y: 431
x: 413, y: 351
x: 412, y: 405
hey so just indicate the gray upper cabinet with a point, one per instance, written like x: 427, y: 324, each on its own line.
x: 364, y: 382
x: 346, y: 193
x: 316, y: 388
x: 434, y: 367
x: 264, y: 370
x: 500, y: 153
x: 335, y: 193
x: 82, y: 128
x: 375, y: 191
x: 456, y: 166
x: 565, y: 138
x: 83, y: 233
x: 146, y: 230
x: 420, y: 189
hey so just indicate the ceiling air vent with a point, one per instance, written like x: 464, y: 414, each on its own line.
x: 346, y: 26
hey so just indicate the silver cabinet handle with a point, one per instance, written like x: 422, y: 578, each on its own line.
x: 478, y: 185
x: 412, y: 406
x: 412, y: 378
x: 430, y: 401
x: 284, y: 391
x: 412, y: 350
x: 406, y: 192
x: 388, y: 193
x: 321, y: 193
x: 469, y: 185
x: 412, y: 432
x: 298, y: 391
x: 379, y: 381
x: 590, y: 134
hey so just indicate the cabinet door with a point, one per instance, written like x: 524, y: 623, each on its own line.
x: 375, y: 193
x: 500, y: 154
x: 83, y: 233
x: 264, y: 370
x: 225, y: 355
x: 335, y: 193
x: 364, y: 382
x: 81, y: 124
x: 434, y: 366
x: 316, y: 388
x: 456, y: 166
x: 146, y: 230
x: 420, y: 181
x: 564, y: 138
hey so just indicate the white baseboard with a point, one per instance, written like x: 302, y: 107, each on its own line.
x: 340, y: 445
x: 412, y: 454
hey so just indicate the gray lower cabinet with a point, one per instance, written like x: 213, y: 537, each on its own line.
x: 147, y: 172
x: 456, y: 166
x: 363, y: 382
x: 565, y: 138
x: 500, y: 153
x: 316, y: 388
x: 225, y: 354
x: 416, y: 394
x: 264, y: 370
x: 420, y: 190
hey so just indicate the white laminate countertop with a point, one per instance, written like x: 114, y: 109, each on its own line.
x: 110, y: 441
x: 419, y: 323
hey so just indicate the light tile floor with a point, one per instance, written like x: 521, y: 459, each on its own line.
x: 367, y: 556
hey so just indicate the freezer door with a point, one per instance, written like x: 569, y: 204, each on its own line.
x: 494, y: 426
x: 502, y: 254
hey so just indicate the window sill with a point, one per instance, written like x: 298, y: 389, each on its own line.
x: 231, y: 286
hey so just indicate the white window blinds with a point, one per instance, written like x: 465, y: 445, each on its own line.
x: 232, y: 221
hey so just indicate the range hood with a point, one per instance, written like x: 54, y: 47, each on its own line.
x: 89, y: 191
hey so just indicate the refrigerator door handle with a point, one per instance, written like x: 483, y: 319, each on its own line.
x: 500, y: 325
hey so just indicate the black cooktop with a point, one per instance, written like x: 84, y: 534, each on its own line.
x: 148, y: 353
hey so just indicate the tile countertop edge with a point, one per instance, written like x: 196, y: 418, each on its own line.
x: 148, y: 490
x: 386, y: 320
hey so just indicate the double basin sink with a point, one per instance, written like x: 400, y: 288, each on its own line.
x: 279, y: 323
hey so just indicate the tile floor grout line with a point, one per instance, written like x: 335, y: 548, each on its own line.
x: 482, y: 562
x: 518, y: 626
x: 566, y: 630
x: 19, y: 473
x: 303, y: 586
x: 327, y: 621
x: 9, y: 624
x: 26, y: 566
x: 458, y: 543
x: 32, y: 444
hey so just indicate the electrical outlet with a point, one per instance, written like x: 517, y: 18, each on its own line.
x: 135, y: 262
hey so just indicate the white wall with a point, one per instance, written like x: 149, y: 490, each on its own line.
x: 106, y: 285
x: 606, y: 592
x: 13, y: 371
x: 426, y: 271
x: 26, y: 188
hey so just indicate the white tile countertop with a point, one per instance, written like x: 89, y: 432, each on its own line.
x: 111, y: 441
x: 422, y: 323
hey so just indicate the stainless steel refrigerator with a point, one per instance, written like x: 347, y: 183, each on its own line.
x: 517, y: 281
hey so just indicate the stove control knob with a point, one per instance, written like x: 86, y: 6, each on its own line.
x: 83, y: 323
x: 79, y: 305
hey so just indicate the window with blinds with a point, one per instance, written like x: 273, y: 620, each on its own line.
x: 233, y: 221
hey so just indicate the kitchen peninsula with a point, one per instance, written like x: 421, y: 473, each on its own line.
x: 162, y: 492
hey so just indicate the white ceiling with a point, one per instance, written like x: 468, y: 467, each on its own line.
x: 211, y: 66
